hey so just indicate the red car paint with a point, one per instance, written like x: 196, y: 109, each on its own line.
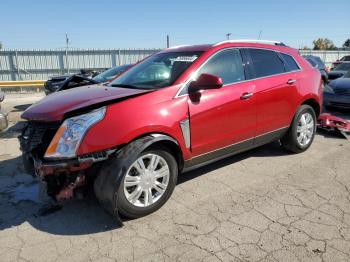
x: 221, y: 118
x: 330, y: 122
x: 55, y: 106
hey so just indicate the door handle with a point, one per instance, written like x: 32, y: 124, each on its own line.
x: 291, y: 81
x: 246, y: 95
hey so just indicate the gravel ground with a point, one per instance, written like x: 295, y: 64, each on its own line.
x: 262, y: 205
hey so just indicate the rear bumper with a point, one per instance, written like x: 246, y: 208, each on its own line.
x: 3, y: 121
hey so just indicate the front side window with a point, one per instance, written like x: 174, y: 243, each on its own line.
x: 226, y: 64
x: 157, y: 71
x: 266, y: 63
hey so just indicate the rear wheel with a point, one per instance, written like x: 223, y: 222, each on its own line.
x: 146, y: 182
x: 301, y: 133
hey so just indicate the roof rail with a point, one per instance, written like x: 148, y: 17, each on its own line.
x: 257, y: 41
x: 177, y: 46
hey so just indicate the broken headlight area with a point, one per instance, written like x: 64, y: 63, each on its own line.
x: 61, y: 176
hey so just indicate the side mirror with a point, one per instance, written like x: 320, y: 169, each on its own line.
x: 205, y: 81
x: 2, y: 96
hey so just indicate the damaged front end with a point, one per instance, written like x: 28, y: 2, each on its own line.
x: 49, y: 152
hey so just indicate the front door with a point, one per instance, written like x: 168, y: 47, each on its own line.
x: 226, y: 116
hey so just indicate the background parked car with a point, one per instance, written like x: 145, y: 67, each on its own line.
x: 337, y: 93
x: 341, y: 60
x: 316, y: 62
x: 3, y: 116
x: 339, y: 71
x: 71, y: 81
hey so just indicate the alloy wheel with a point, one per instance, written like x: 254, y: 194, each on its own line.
x: 146, y: 180
x: 305, y: 129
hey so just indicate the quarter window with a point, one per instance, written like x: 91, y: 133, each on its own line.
x: 227, y: 64
x: 290, y: 62
x: 266, y: 62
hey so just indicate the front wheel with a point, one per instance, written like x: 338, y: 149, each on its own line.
x: 302, y: 131
x: 147, y: 180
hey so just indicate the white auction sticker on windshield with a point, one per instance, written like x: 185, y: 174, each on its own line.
x: 185, y: 58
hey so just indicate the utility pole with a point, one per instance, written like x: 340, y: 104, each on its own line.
x: 260, y: 32
x: 228, y: 36
x: 67, y: 42
x: 167, y: 41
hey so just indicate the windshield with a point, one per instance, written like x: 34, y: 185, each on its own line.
x: 342, y: 67
x: 347, y: 75
x: 157, y: 71
x: 111, y: 73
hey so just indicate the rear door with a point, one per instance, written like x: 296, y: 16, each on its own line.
x: 221, y: 118
x: 276, y: 92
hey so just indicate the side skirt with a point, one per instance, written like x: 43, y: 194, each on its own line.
x: 211, y: 157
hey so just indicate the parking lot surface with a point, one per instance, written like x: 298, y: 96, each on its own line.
x: 262, y: 205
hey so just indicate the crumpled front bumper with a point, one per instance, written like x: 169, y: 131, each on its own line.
x: 43, y: 169
x: 3, y: 120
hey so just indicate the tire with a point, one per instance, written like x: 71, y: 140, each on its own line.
x: 292, y: 140
x: 110, y: 188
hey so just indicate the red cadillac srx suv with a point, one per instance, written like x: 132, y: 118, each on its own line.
x: 179, y: 109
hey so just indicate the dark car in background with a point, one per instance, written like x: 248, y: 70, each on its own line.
x: 60, y: 83
x: 337, y: 93
x: 317, y: 62
x: 339, y: 71
x: 341, y: 60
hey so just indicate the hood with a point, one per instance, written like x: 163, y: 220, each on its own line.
x: 335, y: 74
x: 53, y: 107
x: 342, y: 82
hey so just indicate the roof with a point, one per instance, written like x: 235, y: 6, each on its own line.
x: 243, y: 42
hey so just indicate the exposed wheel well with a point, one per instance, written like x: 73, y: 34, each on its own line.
x: 314, y: 104
x: 173, y: 148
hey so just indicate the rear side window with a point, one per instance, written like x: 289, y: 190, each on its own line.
x: 266, y: 62
x: 291, y: 65
x: 226, y: 64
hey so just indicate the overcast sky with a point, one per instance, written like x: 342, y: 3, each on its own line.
x: 145, y: 24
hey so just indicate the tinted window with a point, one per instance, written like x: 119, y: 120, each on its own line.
x: 227, y: 65
x: 290, y: 62
x: 266, y: 63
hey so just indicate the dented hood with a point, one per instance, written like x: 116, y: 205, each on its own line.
x: 53, y: 107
